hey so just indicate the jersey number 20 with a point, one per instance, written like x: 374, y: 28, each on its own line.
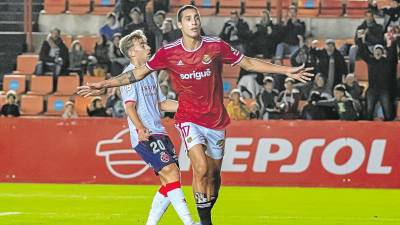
x: 157, y: 146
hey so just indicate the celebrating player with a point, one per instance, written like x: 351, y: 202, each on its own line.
x: 148, y: 136
x: 195, y: 63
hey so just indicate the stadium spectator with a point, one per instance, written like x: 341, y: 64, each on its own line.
x: 249, y: 84
x: 236, y: 108
x: 117, y: 59
x: 279, y: 81
x: 254, y: 110
x: 127, y: 5
x: 390, y: 13
x: 302, y: 55
x: 101, y: 54
x: 265, y: 37
x: 111, y: 27
x: 170, y: 34
x: 161, y: 5
x: 236, y: 32
x: 288, y: 101
x: 69, y: 112
x: 353, y: 87
x: 342, y: 105
x: 154, y: 23
x: 136, y: 23
x: 11, y: 108
x: 318, y: 85
x: 381, y: 76
x: 267, y: 100
x: 115, y: 106
x: 290, y: 32
x: 97, y: 109
x: 53, y: 56
x: 169, y: 94
x: 316, y: 112
x: 331, y: 63
x: 374, y: 35
x: 79, y: 61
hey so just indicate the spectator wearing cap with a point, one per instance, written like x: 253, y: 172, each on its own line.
x: 342, y: 105
x: 290, y: 31
x: 331, y: 63
x: 236, y: 108
x: 265, y: 37
x: 288, y: 100
x: 127, y: 5
x: 96, y: 108
x: 373, y: 33
x: 353, y: 87
x: 69, y: 112
x: 11, y: 108
x: 136, y: 23
x: 381, y: 76
x: 236, y: 32
x: 117, y: 59
x: 111, y: 26
x: 267, y: 100
x: 53, y: 56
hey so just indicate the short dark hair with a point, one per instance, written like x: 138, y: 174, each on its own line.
x: 183, y: 8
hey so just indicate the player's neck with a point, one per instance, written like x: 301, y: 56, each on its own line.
x: 137, y: 63
x: 191, y: 43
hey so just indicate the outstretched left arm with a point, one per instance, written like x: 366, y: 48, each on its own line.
x: 256, y: 65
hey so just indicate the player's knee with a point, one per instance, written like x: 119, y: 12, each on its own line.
x: 200, y: 170
x: 170, y: 173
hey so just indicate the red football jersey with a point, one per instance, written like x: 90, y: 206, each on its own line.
x: 196, y: 76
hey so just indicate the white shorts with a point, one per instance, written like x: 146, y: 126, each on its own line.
x: 193, y: 134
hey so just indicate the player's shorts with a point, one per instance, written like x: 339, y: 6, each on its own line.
x: 158, y: 152
x: 193, y: 134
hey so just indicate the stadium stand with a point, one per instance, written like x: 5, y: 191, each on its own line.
x: 308, y: 8
x: 55, y: 105
x: 78, y: 6
x: 26, y: 63
x: 102, y: 7
x: 229, y: 83
x: 230, y: 71
x: 41, y: 85
x: 66, y: 85
x: 356, y: 8
x: 361, y: 70
x: 88, y: 42
x: 331, y: 8
x: 67, y: 39
x: 31, y: 105
x: 55, y: 6
x: 90, y: 79
x: 226, y: 6
x: 254, y: 7
x: 14, y: 82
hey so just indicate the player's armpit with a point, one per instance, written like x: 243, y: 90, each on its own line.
x: 169, y: 105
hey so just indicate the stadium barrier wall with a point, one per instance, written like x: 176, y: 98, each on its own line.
x: 257, y: 153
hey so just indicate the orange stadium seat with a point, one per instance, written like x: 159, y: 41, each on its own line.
x: 102, y: 7
x: 206, y: 7
x: 230, y: 71
x: 54, y: 6
x: 228, y: 85
x: 78, y: 6
x: 308, y: 8
x: 255, y: 7
x: 26, y: 63
x: 55, y: 104
x: 90, y: 79
x: 88, y: 42
x: 383, y: 3
x: 66, y: 85
x: 41, y: 85
x: 226, y: 6
x: 81, y: 103
x: 331, y: 8
x: 14, y: 82
x: 3, y: 99
x: 67, y: 39
x: 361, y: 70
x: 356, y: 8
x: 31, y: 104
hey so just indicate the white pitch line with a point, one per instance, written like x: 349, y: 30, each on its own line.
x: 9, y: 213
x: 73, y: 196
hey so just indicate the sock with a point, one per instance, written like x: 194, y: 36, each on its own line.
x: 178, y: 201
x: 158, y: 207
x: 203, y: 208
x: 213, y: 200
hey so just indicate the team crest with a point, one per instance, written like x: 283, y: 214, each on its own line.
x: 189, y: 139
x: 164, y: 157
x: 221, y: 143
x: 206, y: 59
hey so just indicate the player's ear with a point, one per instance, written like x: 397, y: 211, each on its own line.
x: 179, y: 25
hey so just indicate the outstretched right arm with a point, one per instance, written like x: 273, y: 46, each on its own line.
x: 130, y: 76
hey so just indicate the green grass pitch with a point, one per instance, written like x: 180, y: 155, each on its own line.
x: 55, y: 204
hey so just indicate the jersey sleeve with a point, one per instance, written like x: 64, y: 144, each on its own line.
x: 229, y: 54
x: 128, y: 93
x: 158, y: 61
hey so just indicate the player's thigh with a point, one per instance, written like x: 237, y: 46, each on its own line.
x: 169, y: 173
x: 198, y: 158
x: 191, y: 135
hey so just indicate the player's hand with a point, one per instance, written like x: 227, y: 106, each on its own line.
x: 143, y: 134
x: 300, y: 73
x: 91, y: 89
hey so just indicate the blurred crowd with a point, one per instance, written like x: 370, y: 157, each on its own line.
x: 334, y: 92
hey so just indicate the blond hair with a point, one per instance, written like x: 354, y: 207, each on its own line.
x: 127, y: 42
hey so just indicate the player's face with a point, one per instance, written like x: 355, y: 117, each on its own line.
x: 190, y: 24
x: 140, y: 49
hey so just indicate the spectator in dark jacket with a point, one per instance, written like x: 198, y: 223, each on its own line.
x: 374, y: 35
x: 353, y: 87
x: 290, y: 31
x: 288, y: 100
x: 136, y: 23
x: 390, y: 13
x: 127, y: 5
x: 267, y: 100
x: 302, y: 55
x: 118, y: 60
x: 265, y: 37
x: 101, y: 54
x: 115, y: 105
x: 53, y: 56
x: 11, y: 108
x: 96, y: 108
x: 380, y: 76
x: 236, y: 32
x: 170, y: 34
x: 331, y: 64
x: 80, y: 62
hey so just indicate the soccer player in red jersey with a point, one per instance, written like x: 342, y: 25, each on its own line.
x: 195, y: 64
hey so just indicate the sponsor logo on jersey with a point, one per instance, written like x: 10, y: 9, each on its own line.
x: 196, y: 75
x: 206, y: 59
x: 180, y: 63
